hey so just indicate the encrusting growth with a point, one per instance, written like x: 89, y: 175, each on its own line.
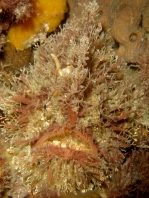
x: 69, y: 117
x: 33, y: 17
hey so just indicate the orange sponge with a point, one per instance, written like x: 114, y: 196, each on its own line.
x: 49, y: 12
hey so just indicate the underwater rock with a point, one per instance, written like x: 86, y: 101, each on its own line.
x: 126, y: 21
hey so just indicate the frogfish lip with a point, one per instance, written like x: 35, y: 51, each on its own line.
x: 65, y: 139
x: 68, y: 141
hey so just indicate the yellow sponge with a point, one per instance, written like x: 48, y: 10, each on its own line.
x: 49, y: 12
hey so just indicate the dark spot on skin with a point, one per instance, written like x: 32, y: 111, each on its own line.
x: 45, y: 106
